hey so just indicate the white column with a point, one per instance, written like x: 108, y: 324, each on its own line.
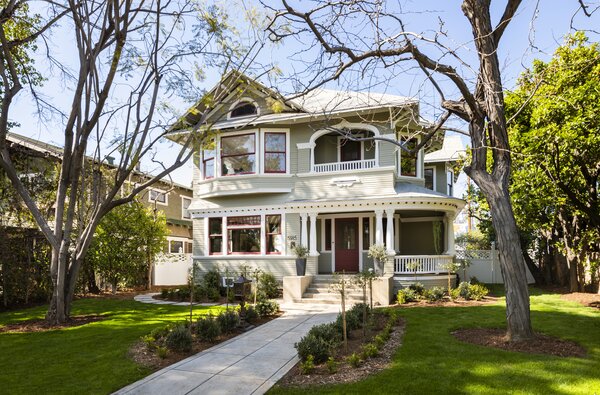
x: 225, y: 236
x: 304, y: 233
x: 449, y: 219
x: 389, y: 242
x: 378, y: 227
x: 313, y: 235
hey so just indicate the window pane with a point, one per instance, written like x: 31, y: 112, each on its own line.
x: 429, y: 179
x: 238, y: 164
x: 349, y: 150
x: 328, y: 235
x: 450, y: 177
x: 273, y: 223
x: 235, y: 145
x: 216, y: 245
x: 275, y: 162
x: 274, y: 244
x: 366, y: 234
x: 408, y: 162
x: 209, y: 168
x: 243, y: 109
x: 176, y: 247
x: 214, y: 226
x: 251, y: 220
x: 188, y: 248
x: 158, y: 196
x: 275, y: 142
x: 208, y: 154
x: 244, y: 240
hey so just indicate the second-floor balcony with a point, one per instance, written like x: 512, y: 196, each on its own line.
x: 344, y: 166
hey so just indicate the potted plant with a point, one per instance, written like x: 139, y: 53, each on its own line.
x: 380, y: 257
x: 301, y: 253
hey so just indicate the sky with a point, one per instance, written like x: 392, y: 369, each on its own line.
x: 537, y: 30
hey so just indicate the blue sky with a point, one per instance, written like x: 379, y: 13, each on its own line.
x: 536, y: 31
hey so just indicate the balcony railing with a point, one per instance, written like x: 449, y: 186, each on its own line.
x: 343, y: 166
x: 421, y: 264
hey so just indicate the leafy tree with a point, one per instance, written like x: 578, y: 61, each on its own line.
x: 126, y: 240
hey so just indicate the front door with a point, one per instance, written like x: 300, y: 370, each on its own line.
x: 346, y: 244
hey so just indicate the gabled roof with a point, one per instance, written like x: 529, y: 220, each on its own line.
x: 331, y: 101
x: 452, y: 150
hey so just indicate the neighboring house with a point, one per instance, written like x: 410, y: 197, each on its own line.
x: 274, y: 179
x: 171, y: 198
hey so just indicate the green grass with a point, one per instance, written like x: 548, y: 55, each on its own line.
x: 89, y: 359
x: 431, y: 361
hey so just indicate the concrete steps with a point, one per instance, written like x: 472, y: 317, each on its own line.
x: 320, y: 291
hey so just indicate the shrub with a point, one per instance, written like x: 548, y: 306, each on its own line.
x: 354, y: 360
x: 406, y: 295
x: 317, y: 347
x: 183, y: 293
x: 419, y: 288
x: 179, y: 339
x: 359, y: 308
x: 475, y: 280
x: 212, y: 279
x: 149, y: 341
x: 251, y: 314
x: 379, y: 340
x: 266, y: 307
x: 213, y: 294
x: 307, y: 366
x: 329, y: 332
x: 228, y: 321
x: 208, y: 329
x: 162, y: 352
x: 434, y: 294
x: 477, y: 291
x: 353, y: 320
x: 463, y: 290
x: 164, y: 293
x: 269, y: 286
x: 369, y: 350
x: 159, y: 333
x: 332, y: 365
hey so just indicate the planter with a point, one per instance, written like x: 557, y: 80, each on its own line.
x: 300, y: 266
x: 378, y: 266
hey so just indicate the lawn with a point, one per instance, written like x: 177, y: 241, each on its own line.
x: 431, y: 361
x: 90, y: 359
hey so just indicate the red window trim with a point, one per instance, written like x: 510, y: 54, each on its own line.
x: 236, y: 155
x: 267, y: 234
x: 211, y: 235
x: 284, y: 152
x: 239, y: 227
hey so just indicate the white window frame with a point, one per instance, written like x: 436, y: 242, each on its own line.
x: 246, y: 100
x: 339, y: 149
x: 449, y: 171
x: 183, y: 209
x: 183, y: 240
x: 434, y: 176
x: 150, y: 200
x: 262, y: 140
x: 419, y: 169
x: 258, y: 151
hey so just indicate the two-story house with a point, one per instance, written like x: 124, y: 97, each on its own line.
x: 274, y: 179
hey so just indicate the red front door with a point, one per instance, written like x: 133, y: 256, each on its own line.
x: 346, y: 244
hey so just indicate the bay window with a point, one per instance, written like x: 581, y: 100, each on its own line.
x: 215, y: 236
x: 244, y: 234
x: 273, y: 232
x: 275, y: 153
x: 238, y: 154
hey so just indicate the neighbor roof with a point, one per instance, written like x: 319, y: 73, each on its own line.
x: 452, y: 150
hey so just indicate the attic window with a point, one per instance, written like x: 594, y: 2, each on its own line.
x: 243, y: 109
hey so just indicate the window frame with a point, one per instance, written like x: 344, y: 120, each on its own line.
x: 265, y: 152
x: 205, y: 160
x: 434, y: 183
x: 165, y: 194
x: 260, y: 227
x: 417, y: 157
x: 267, y: 234
x: 183, y: 209
x: 256, y: 153
x: 449, y: 182
x: 215, y: 235
x: 243, y: 100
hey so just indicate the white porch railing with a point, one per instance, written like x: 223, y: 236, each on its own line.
x: 410, y: 264
x: 341, y: 166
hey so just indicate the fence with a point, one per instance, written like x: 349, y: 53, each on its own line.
x: 485, y: 266
x: 172, y: 269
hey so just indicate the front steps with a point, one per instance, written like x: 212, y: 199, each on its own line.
x: 320, y: 292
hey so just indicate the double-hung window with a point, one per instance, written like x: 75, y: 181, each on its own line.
x: 244, y: 234
x: 215, y: 236
x: 157, y: 196
x: 185, y: 205
x: 208, y: 163
x: 273, y: 232
x: 275, y: 145
x: 238, y: 154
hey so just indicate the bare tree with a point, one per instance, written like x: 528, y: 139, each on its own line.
x: 359, y: 36
x: 128, y: 55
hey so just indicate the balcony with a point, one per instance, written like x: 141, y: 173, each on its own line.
x: 344, y: 166
x: 422, y: 264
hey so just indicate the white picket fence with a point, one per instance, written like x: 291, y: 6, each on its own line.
x: 485, y: 266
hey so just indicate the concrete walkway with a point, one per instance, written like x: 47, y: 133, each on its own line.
x: 250, y: 363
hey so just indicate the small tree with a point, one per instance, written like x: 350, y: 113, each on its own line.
x: 363, y: 280
x: 451, y: 268
x: 340, y: 284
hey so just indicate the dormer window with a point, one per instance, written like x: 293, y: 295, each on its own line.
x: 243, y: 108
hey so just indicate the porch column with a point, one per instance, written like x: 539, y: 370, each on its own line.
x: 313, y: 235
x: 378, y: 227
x: 389, y: 236
x: 304, y: 233
x: 449, y: 220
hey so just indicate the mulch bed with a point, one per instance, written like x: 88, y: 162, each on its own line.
x: 345, y: 372
x: 140, y: 353
x: 42, y: 326
x: 541, y: 344
x: 586, y: 299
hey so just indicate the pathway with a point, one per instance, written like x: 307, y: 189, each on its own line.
x: 250, y: 363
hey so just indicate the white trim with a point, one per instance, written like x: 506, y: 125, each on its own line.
x: 421, y: 219
x: 305, y: 145
x: 181, y: 239
x: 245, y: 192
x: 328, y: 174
x: 434, y: 176
x: 207, y: 237
x: 247, y: 100
x: 242, y: 257
x: 183, y: 209
x: 165, y: 193
x: 285, y: 131
x: 451, y: 171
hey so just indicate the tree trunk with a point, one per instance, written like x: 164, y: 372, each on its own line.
x: 512, y: 263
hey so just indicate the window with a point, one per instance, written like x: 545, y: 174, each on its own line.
x: 243, y: 109
x: 327, y: 234
x: 244, y: 234
x: 158, y: 196
x: 408, y: 161
x: 450, y: 181
x: 275, y: 153
x: 366, y: 234
x: 273, y: 232
x: 208, y: 163
x: 429, y: 175
x: 176, y: 247
x: 350, y: 150
x: 188, y: 247
x: 215, y: 236
x: 185, y: 204
x: 238, y: 154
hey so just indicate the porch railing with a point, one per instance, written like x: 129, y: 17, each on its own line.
x: 342, y: 166
x: 420, y: 264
